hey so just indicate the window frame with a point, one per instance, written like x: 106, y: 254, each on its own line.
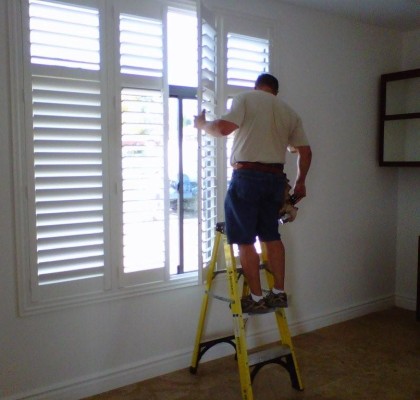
x: 22, y: 122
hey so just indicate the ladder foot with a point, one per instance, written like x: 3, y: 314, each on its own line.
x: 280, y: 355
x: 193, y: 370
x: 205, y: 346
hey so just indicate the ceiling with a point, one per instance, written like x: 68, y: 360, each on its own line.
x: 402, y: 15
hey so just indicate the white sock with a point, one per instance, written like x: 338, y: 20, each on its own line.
x: 256, y: 298
x: 277, y: 291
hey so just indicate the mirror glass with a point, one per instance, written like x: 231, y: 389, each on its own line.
x: 403, y: 96
x: 402, y: 140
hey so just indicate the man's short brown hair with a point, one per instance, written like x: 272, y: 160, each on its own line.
x: 267, y: 80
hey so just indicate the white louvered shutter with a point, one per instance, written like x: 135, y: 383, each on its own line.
x: 247, y: 57
x: 142, y: 147
x: 141, y: 46
x: 208, y: 157
x: 68, y: 194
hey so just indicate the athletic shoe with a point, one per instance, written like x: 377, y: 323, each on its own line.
x: 250, y: 306
x: 276, y: 300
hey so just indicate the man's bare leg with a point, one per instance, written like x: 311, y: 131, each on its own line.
x: 250, y: 262
x: 276, y: 262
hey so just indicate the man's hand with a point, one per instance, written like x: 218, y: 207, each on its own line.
x: 200, y: 120
x: 216, y: 128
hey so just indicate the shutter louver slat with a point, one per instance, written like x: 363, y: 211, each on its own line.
x: 54, y: 195
x: 76, y: 111
x: 70, y: 270
x: 71, y: 182
x: 63, y: 255
x: 48, y: 233
x: 58, y: 219
x: 74, y: 241
x: 74, y: 206
x: 52, y: 159
x: 67, y: 142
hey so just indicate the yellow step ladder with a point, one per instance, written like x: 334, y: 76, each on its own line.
x: 248, y: 364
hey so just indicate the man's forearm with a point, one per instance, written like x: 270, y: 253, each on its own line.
x: 213, y: 128
x: 303, y: 163
x: 216, y: 128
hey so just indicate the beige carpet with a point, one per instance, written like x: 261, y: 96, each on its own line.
x: 375, y: 357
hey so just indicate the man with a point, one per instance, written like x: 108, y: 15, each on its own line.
x: 266, y: 127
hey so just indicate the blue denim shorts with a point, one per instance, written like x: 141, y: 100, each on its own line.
x: 252, y: 205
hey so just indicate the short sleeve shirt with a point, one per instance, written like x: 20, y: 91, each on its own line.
x: 267, y: 126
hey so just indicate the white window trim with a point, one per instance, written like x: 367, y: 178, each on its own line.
x: 20, y: 119
x: 20, y: 179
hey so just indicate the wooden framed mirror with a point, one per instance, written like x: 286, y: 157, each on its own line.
x: 399, y: 131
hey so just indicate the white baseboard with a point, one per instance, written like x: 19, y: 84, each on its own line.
x: 129, y: 374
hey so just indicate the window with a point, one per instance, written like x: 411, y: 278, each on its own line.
x: 122, y: 195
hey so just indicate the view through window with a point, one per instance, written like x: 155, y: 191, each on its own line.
x: 145, y: 191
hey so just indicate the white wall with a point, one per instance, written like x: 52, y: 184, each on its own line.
x: 408, y: 203
x: 341, y: 252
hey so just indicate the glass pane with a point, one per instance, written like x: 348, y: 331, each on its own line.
x: 142, y: 180
x: 402, y: 140
x: 173, y: 162
x: 190, y: 162
x: 182, y: 49
x: 402, y: 96
x: 183, y: 203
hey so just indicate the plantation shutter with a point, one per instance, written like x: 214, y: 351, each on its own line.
x: 141, y: 45
x: 207, y: 37
x: 247, y: 57
x: 142, y: 143
x: 68, y: 191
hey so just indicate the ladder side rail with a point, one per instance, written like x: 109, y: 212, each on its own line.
x: 204, y: 304
x: 283, y: 327
x: 238, y: 323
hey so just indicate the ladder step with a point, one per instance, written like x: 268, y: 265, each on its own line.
x: 267, y: 355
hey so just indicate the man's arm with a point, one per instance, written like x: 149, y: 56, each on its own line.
x: 304, y: 159
x: 217, y: 128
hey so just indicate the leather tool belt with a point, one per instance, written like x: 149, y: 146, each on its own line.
x: 261, y: 167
